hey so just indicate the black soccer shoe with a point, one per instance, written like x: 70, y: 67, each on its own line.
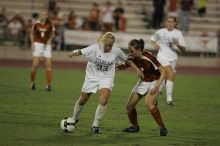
x: 95, y: 130
x: 163, y: 131
x: 76, y: 121
x: 33, y: 87
x: 131, y: 129
x: 48, y: 88
x: 170, y: 103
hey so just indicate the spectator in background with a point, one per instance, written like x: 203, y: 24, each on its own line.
x: 173, y: 8
x: 14, y: 30
x: 86, y: 26
x: 201, y: 7
x: 3, y: 23
x: 158, y: 13
x: 52, y: 4
x: 94, y: 16
x: 19, y: 18
x: 107, y: 16
x: 34, y: 17
x: 122, y: 22
x: 71, y: 23
x: 218, y: 35
x: 57, y: 22
x: 184, y: 16
x: 3, y: 17
x: 119, y: 10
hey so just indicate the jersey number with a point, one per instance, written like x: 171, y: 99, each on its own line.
x: 42, y: 34
x: 102, y: 67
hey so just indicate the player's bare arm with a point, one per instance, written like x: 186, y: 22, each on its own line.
x: 32, y: 39
x: 155, y: 45
x: 75, y: 53
x: 121, y: 66
x: 176, y: 42
x: 51, y: 38
x: 159, y: 81
x: 138, y: 71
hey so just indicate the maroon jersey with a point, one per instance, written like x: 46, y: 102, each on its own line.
x: 149, y: 65
x: 42, y: 32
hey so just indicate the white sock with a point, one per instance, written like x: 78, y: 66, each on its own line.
x: 169, y: 90
x: 77, y: 110
x: 100, y: 111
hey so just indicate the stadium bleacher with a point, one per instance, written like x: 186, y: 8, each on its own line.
x: 209, y: 23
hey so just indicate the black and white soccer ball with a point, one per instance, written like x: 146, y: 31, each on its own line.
x: 68, y: 124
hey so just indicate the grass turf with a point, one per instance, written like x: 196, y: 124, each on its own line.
x: 32, y: 118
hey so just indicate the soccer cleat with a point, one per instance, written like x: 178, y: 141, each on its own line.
x: 163, y: 131
x: 76, y: 121
x: 33, y: 87
x: 170, y: 103
x: 48, y: 88
x: 95, y: 130
x: 131, y: 129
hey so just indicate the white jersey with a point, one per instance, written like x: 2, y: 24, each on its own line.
x: 165, y: 38
x: 100, y: 64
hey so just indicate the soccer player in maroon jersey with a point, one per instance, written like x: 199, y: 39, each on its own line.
x: 41, y: 36
x: 148, y: 87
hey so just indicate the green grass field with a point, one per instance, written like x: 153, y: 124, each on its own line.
x: 32, y: 118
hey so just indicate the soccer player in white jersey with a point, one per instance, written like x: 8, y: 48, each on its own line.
x: 168, y: 41
x: 100, y: 72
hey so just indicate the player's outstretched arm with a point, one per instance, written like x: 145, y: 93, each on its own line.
x: 182, y: 48
x: 122, y: 66
x: 155, y: 45
x: 74, y: 53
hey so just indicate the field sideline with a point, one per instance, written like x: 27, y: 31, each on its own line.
x: 31, y: 118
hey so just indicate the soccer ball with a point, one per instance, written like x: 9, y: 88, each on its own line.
x: 68, y: 124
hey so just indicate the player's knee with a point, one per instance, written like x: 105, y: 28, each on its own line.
x: 81, y: 101
x: 170, y: 76
x: 129, y: 108
x: 49, y: 68
x: 34, y: 66
x: 149, y: 103
x: 103, y: 102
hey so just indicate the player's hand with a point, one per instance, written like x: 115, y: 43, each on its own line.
x: 157, y: 46
x: 49, y: 42
x: 121, y: 66
x: 155, y: 89
x: 176, y: 41
x: 32, y: 47
x: 73, y: 53
x: 140, y: 74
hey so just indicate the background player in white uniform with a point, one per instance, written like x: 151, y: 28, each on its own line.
x: 100, y: 72
x: 168, y: 41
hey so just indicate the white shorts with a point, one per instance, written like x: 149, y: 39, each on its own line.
x: 42, y: 50
x: 165, y: 62
x: 143, y: 88
x: 92, y: 85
